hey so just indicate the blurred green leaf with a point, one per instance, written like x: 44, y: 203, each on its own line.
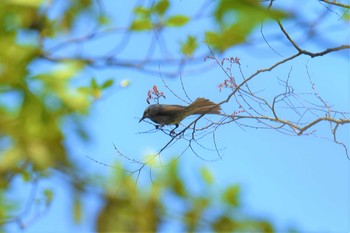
x: 213, y: 39
x: 229, y: 37
x: 26, y: 175
x: 142, y: 11
x: 174, y: 181
x: 161, y: 7
x: 107, y: 83
x: 179, y: 188
x: 74, y: 9
x: 93, y: 84
x: 346, y: 15
x: 189, y: 46
x: 103, y: 20
x: 177, y: 21
x: 141, y: 25
x: 237, y: 19
x: 27, y: 3
x: 77, y: 210
x: 96, y: 93
x: 231, y: 12
x: 10, y: 158
x: 207, y: 175
x: 231, y: 195
x: 48, y: 196
x: 85, y: 90
x: 224, y: 224
x: 68, y: 69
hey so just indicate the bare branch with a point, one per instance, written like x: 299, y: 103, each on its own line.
x: 335, y: 3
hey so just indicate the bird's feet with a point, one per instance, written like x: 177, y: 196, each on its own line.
x: 172, y: 132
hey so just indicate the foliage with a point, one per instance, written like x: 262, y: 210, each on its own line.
x: 236, y: 21
x: 154, y: 17
x: 38, y: 96
x: 151, y: 208
x: 35, y: 102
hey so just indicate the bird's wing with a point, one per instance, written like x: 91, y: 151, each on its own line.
x: 171, y: 110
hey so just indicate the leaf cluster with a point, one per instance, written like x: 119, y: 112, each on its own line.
x: 151, y: 208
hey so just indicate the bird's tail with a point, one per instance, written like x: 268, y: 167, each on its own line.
x: 203, y: 106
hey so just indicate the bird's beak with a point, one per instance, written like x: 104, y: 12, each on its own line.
x: 143, y: 117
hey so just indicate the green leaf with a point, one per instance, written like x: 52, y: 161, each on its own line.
x: 96, y: 93
x: 68, y: 69
x: 84, y: 90
x: 26, y: 176
x: 142, y: 11
x: 212, y: 39
x: 231, y: 195
x: 229, y: 12
x: 206, y: 175
x: 161, y: 7
x: 346, y: 16
x: 229, y: 37
x: 48, y: 193
x: 177, y: 21
x: 141, y: 25
x: 108, y: 83
x: 189, y: 46
x: 237, y: 19
x: 224, y: 224
x: 93, y: 84
x: 28, y: 3
x: 103, y: 20
x: 77, y: 210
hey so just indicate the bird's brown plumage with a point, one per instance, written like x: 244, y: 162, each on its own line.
x: 168, y: 114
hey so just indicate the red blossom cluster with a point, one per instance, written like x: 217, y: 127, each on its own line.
x: 209, y: 57
x: 232, y: 60
x: 231, y: 82
x: 228, y: 83
x: 154, y: 94
x: 236, y: 113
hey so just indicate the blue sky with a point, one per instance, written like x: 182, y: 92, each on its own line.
x: 293, y: 181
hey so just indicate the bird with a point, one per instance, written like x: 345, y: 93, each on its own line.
x: 172, y: 114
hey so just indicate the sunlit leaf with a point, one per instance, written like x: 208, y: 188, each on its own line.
x: 231, y: 195
x: 103, y: 20
x: 107, y: 83
x: 224, y: 224
x: 346, y: 15
x: 161, y: 7
x: 10, y: 158
x: 189, y: 46
x: 207, y: 175
x: 142, y: 11
x: 84, y: 90
x: 237, y: 19
x: 93, y: 84
x: 177, y: 21
x: 96, y: 93
x: 77, y: 210
x: 212, y: 38
x: 31, y: 3
x: 141, y: 25
x: 67, y: 70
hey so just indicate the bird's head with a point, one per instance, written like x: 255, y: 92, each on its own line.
x: 146, y: 113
